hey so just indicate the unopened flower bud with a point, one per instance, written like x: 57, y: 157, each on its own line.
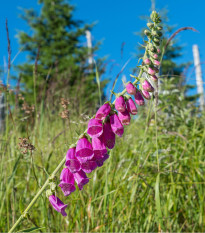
x: 156, y: 43
x: 150, y: 25
x: 153, y: 16
x: 147, y: 61
x: 131, y: 89
x: 147, y: 32
x: 157, y: 63
x: 158, y: 50
x: 156, y: 39
x: 131, y: 107
x: 159, y: 28
x: 159, y: 33
x: 155, y: 56
x: 120, y: 104
x: 154, y: 33
x: 139, y: 99
x: 147, y: 86
x: 146, y: 94
x: 151, y: 71
x: 158, y: 20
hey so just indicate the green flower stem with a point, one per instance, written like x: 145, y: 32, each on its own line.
x: 55, y: 172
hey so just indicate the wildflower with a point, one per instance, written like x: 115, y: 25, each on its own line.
x: 139, y: 99
x: 120, y: 104
x: 124, y: 117
x: 109, y: 136
x: 67, y: 182
x: 147, y: 86
x: 99, y: 147
x: 95, y: 128
x: 100, y: 160
x: 81, y: 179
x: 131, y: 89
x: 71, y: 161
x: 146, y: 94
x: 151, y: 71
x: 158, y: 50
x: 103, y: 111
x: 89, y: 166
x: 58, y: 205
x: 131, y: 107
x: 147, y: 61
x: 84, y: 150
x: 116, y: 125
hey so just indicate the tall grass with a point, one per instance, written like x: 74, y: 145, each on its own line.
x: 131, y: 192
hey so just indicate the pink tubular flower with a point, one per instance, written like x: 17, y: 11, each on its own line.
x: 158, y: 51
x: 131, y: 89
x: 101, y: 160
x: 67, y: 182
x: 89, y: 166
x: 116, y: 125
x: 95, y: 128
x: 155, y: 56
x: 124, y: 117
x: 157, y: 63
x: 81, y: 179
x: 71, y: 161
x: 84, y: 150
x: 109, y: 136
x: 120, y: 104
x: 146, y: 94
x: 147, y: 86
x: 131, y: 107
x: 57, y: 204
x: 103, y: 111
x: 154, y: 78
x: 147, y: 61
x: 151, y: 71
x: 139, y: 99
x: 99, y: 146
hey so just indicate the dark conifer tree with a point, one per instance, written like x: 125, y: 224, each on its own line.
x: 57, y: 41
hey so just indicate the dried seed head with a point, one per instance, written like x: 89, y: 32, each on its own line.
x: 25, y: 145
x: 64, y: 103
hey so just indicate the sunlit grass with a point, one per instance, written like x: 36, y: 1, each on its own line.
x: 121, y: 195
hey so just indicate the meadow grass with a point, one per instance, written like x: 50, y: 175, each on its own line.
x: 153, y: 180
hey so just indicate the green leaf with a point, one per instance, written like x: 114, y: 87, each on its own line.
x: 32, y: 229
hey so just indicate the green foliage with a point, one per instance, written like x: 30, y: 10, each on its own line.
x: 57, y: 44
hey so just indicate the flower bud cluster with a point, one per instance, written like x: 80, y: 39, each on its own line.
x: 151, y: 59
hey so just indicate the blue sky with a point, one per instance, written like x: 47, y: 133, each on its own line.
x: 116, y: 22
